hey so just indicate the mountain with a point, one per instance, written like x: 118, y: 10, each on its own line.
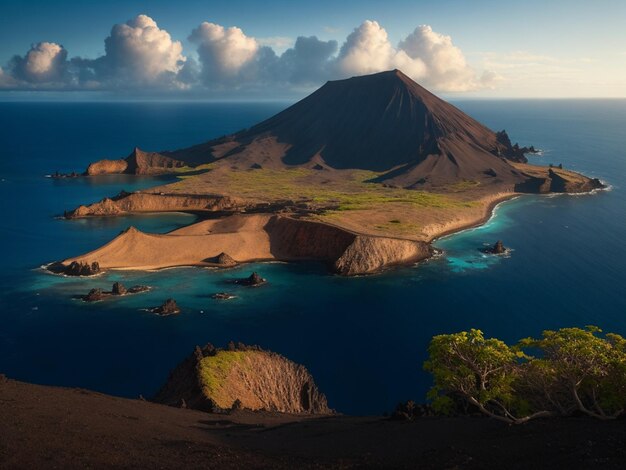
x: 383, y: 122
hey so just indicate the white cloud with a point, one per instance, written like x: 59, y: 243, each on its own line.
x: 223, y: 52
x: 367, y: 49
x: 141, y: 52
x: 140, y: 55
x: 424, y: 55
x: 277, y: 43
x: 445, y: 65
x: 310, y: 61
x: 44, y: 62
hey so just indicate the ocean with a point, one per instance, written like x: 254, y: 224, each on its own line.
x: 364, y: 339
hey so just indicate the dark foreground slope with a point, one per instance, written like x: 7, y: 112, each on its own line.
x: 50, y: 427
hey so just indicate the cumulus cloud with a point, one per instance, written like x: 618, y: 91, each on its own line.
x: 140, y: 55
x: 137, y: 53
x: 424, y: 55
x: 367, y: 49
x: 223, y: 52
x: 308, y: 62
x: 445, y: 64
x: 44, y: 62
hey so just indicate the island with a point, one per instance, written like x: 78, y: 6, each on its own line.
x: 362, y: 174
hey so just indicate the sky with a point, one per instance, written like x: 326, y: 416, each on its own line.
x: 279, y: 49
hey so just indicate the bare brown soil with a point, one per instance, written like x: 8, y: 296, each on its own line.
x: 51, y: 427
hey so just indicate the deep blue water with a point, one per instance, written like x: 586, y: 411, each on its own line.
x: 364, y: 339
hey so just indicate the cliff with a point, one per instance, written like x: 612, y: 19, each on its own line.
x: 545, y: 180
x: 254, y: 237
x: 151, y: 202
x: 242, y: 377
x: 370, y: 254
x: 137, y: 163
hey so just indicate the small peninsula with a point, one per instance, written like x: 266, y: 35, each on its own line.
x: 362, y: 174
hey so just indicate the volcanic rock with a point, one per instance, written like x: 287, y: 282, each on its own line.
x: 418, y: 135
x: 169, y: 307
x: 137, y: 163
x: 119, y: 289
x: 75, y: 268
x: 94, y: 295
x: 497, y: 249
x: 253, y: 280
x: 224, y: 259
x: 213, y: 379
x: 138, y: 289
x: 223, y: 296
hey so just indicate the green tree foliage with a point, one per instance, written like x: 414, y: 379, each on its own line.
x: 578, y: 370
x: 572, y: 369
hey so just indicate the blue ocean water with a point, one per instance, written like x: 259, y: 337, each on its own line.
x: 364, y: 339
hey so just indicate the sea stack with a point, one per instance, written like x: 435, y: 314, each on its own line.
x: 497, y: 249
x: 169, y: 307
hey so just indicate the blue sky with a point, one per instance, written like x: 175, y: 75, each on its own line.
x: 517, y: 49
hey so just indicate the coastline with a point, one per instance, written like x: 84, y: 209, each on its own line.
x: 490, y: 212
x: 266, y: 237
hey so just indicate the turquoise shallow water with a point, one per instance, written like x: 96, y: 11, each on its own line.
x: 364, y: 339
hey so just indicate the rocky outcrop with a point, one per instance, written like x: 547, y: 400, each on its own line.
x: 511, y: 152
x: 106, y: 167
x: 94, y: 295
x: 75, y: 268
x: 169, y: 307
x: 497, y: 249
x: 151, y: 202
x: 213, y: 379
x: 137, y: 163
x: 224, y: 259
x: 137, y: 290
x: 57, y: 175
x: 544, y: 180
x: 118, y: 289
x: 223, y: 296
x: 150, y: 163
x: 97, y: 294
x: 367, y: 254
x: 252, y: 280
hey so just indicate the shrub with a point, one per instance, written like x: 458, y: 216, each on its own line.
x: 574, y: 370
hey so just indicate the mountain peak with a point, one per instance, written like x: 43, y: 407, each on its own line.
x: 384, y: 122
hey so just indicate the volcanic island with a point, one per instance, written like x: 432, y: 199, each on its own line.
x: 362, y: 174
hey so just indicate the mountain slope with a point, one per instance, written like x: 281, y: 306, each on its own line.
x: 383, y: 122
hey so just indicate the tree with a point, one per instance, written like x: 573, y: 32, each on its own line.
x: 573, y: 369
x: 578, y: 370
x: 482, y: 371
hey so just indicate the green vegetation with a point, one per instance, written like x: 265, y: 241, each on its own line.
x: 214, y: 370
x: 353, y: 192
x: 463, y: 185
x: 574, y: 370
